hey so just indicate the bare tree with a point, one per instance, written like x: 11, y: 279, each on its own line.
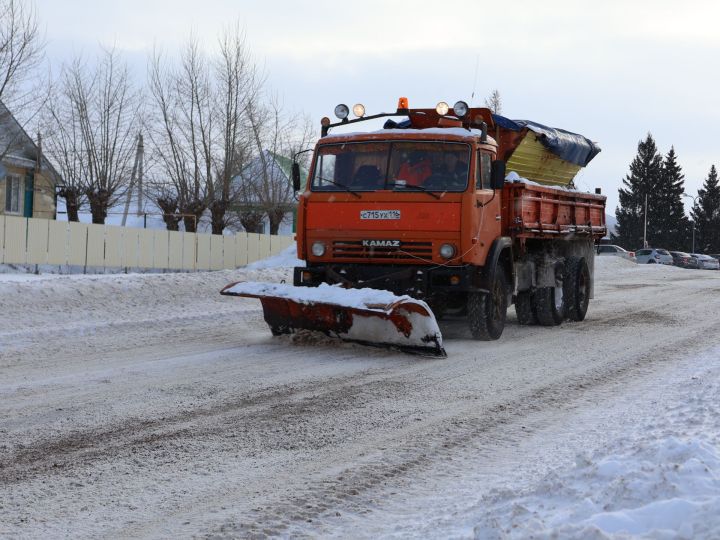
x: 63, y: 143
x: 494, y: 103
x: 237, y: 85
x: 21, y: 50
x: 94, y: 120
x: 277, y: 136
x: 181, y: 133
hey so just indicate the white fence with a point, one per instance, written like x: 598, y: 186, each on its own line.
x: 42, y: 241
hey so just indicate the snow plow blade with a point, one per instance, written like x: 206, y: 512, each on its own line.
x: 365, y: 316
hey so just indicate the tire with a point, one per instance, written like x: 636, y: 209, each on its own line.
x: 651, y: 261
x: 487, y: 312
x: 524, y: 308
x: 549, y: 305
x: 279, y: 330
x: 576, y: 288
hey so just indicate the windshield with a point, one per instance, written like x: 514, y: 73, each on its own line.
x: 406, y: 166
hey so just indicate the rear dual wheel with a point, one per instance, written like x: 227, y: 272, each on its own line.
x: 524, y: 308
x: 576, y: 288
x: 549, y: 305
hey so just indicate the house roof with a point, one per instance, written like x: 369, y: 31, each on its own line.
x: 274, y: 161
x: 18, y: 148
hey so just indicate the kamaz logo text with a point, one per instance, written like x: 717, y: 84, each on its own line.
x: 381, y: 243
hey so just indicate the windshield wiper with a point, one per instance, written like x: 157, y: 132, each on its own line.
x: 421, y: 188
x: 346, y: 188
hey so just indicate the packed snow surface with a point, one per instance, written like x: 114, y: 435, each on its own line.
x: 150, y: 406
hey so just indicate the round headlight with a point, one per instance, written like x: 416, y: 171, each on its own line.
x: 447, y: 251
x: 318, y: 249
x: 359, y: 110
x: 342, y: 111
x: 460, y: 109
x: 442, y: 108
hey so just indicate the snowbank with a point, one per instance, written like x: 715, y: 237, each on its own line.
x: 661, y: 479
x: 667, y: 488
x: 287, y: 258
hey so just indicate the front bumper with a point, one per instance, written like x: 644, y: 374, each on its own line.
x: 414, y: 280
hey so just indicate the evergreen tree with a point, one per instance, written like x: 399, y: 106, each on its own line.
x: 645, y: 175
x: 671, y: 228
x: 706, y: 215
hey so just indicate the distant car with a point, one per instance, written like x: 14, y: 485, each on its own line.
x: 706, y: 262
x: 684, y: 260
x: 608, y: 249
x: 653, y: 256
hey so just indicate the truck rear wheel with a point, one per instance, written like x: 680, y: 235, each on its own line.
x: 576, y: 288
x: 524, y: 308
x: 487, y: 311
x: 549, y: 304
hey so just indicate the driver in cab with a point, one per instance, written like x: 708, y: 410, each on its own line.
x: 451, y: 169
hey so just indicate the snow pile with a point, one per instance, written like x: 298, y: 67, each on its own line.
x: 668, y: 488
x: 515, y: 178
x: 609, y: 268
x: 287, y: 258
x: 328, y: 294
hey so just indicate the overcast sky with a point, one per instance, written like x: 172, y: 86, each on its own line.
x: 613, y: 71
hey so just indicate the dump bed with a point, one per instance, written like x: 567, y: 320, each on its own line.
x: 535, y: 211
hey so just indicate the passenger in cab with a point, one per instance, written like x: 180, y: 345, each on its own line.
x: 416, y: 169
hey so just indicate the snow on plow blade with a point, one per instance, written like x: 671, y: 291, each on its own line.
x: 366, y: 316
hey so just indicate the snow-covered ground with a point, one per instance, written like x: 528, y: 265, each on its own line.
x: 147, y: 405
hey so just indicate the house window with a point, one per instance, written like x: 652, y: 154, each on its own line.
x: 12, y: 194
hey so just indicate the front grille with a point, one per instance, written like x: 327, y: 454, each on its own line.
x: 353, y: 249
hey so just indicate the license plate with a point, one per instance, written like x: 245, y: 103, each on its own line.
x: 379, y: 214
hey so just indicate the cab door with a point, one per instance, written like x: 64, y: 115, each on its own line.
x: 487, y: 219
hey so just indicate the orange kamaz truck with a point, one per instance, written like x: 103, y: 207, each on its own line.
x: 461, y: 210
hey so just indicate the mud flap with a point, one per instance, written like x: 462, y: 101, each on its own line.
x: 404, y: 324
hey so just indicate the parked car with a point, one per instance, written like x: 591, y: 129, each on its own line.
x: 653, y: 256
x: 684, y: 260
x: 706, y: 262
x: 608, y: 249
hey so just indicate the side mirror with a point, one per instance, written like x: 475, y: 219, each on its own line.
x: 296, y: 176
x: 497, y: 174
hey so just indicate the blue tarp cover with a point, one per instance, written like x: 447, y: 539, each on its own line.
x: 569, y: 146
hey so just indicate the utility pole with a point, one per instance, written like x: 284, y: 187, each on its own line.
x: 137, y: 164
x: 140, y: 162
x: 645, y: 244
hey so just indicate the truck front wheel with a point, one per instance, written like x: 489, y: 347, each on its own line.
x: 487, y: 311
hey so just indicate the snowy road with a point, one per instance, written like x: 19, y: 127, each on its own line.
x: 150, y: 406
